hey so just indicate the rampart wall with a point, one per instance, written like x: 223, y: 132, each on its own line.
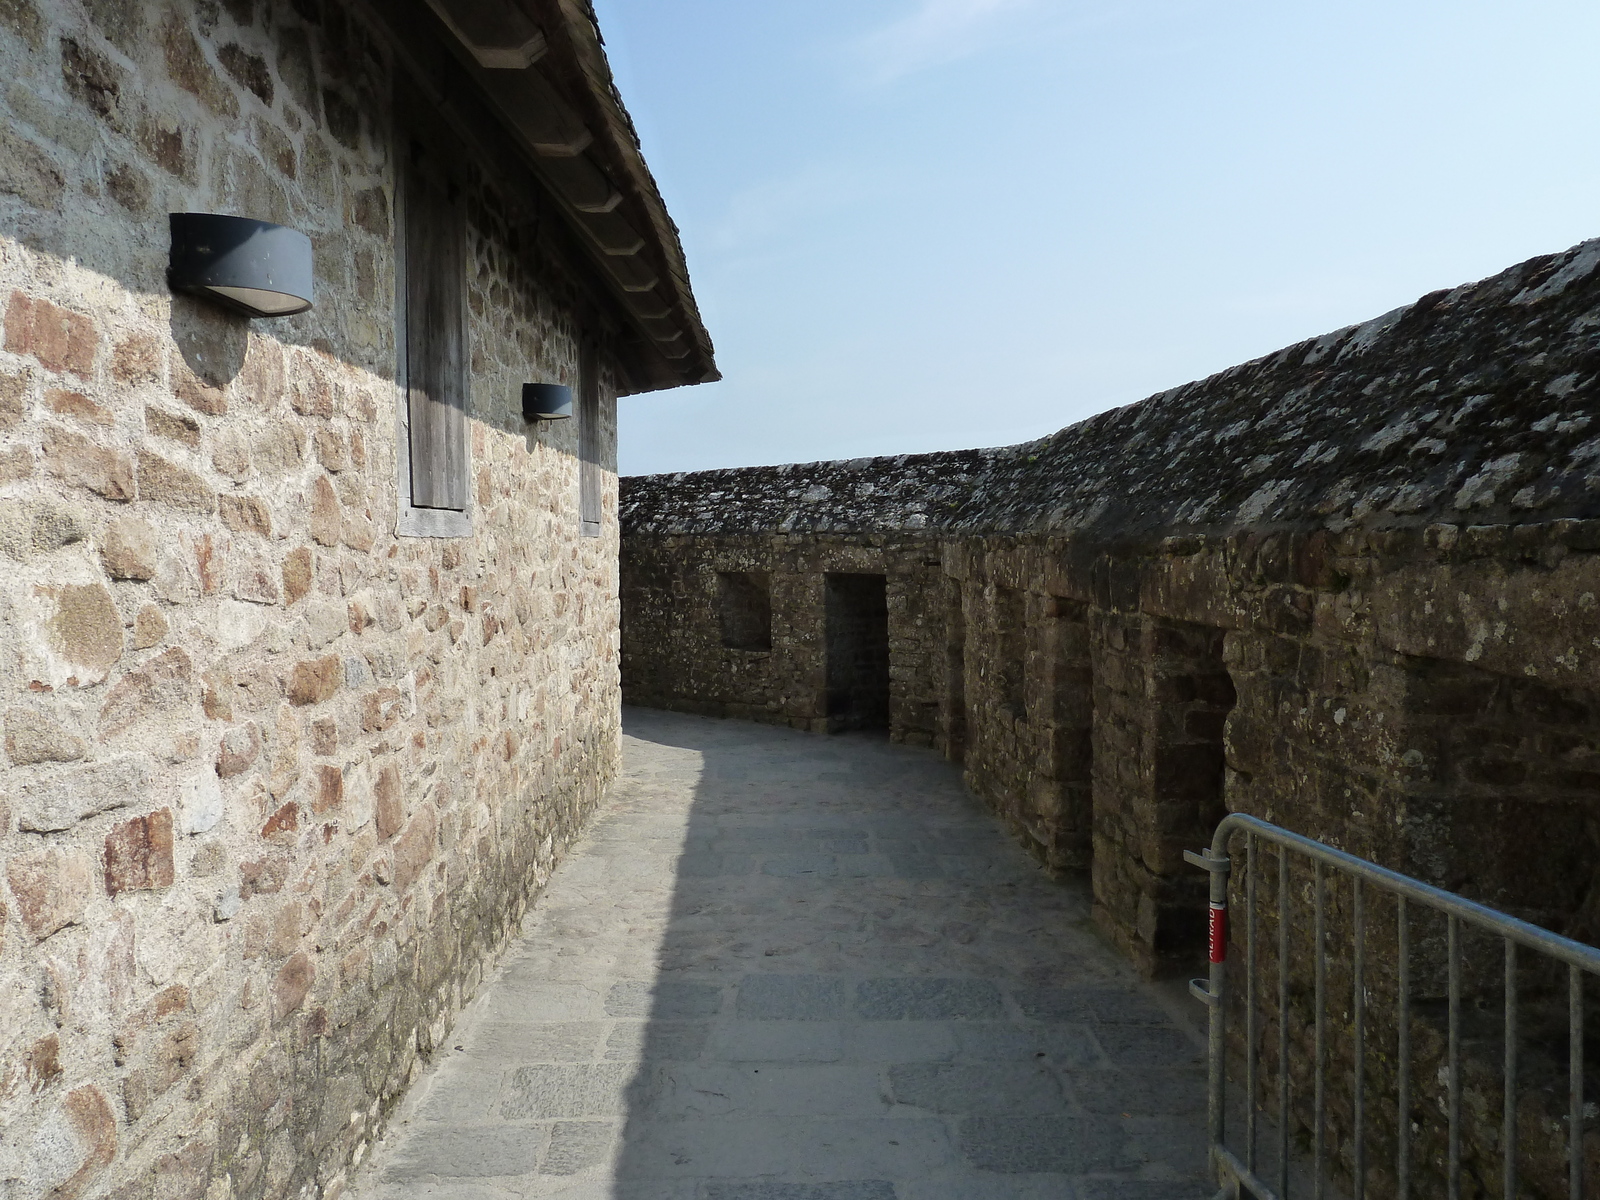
x: 1349, y: 587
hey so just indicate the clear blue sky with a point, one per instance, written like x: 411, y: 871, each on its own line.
x: 930, y: 224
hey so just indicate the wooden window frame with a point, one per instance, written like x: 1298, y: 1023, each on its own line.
x: 412, y: 520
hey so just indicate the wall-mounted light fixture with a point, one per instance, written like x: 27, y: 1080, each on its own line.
x: 546, y: 402
x: 251, y: 267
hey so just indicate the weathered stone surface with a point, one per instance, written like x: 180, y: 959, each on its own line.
x: 175, y: 427
x: 297, y: 574
x: 167, y: 483
x: 246, y: 514
x: 139, y: 854
x: 61, y: 800
x: 79, y: 462
x: 35, y: 736
x: 315, y: 681
x: 67, y: 403
x: 240, y: 749
x: 137, y: 360
x: 294, y: 981
x: 129, y: 549
x: 149, y: 627
x: 60, y: 339
x: 170, y: 1058
x: 325, y: 513
x: 388, y: 808
x: 85, y: 630
x: 51, y: 887
x: 189, y: 69
x: 164, y: 683
x: 414, y: 848
x: 329, y: 789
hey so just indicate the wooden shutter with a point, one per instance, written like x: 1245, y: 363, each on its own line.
x: 590, y: 478
x: 436, y: 336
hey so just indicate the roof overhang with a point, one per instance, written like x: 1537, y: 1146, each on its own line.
x: 537, y: 71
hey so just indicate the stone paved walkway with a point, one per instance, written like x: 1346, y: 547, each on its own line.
x: 782, y: 966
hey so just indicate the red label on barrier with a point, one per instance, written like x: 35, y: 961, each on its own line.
x: 1219, y: 931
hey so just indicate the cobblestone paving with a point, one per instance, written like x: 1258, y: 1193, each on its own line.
x: 782, y: 966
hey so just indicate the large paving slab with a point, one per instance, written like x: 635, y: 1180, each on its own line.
x: 782, y: 966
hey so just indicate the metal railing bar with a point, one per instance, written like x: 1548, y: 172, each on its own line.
x: 1250, y: 1001
x: 1508, y: 1136
x: 1453, y: 1063
x: 1359, y: 1012
x: 1320, y: 1025
x: 1248, y: 1181
x: 1402, y: 1164
x: 1531, y: 936
x: 1283, y: 1022
x: 1575, y: 1082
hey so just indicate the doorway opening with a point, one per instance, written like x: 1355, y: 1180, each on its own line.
x: 858, y: 651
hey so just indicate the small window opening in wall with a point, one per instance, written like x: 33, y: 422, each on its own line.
x: 589, y: 443
x: 744, y: 606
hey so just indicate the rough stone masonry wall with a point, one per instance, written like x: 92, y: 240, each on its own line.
x: 1349, y: 587
x: 673, y: 652
x: 276, y: 783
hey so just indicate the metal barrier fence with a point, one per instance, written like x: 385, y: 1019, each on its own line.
x: 1238, y: 1174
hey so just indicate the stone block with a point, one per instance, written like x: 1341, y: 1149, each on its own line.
x: 137, y: 360
x: 163, y: 1064
x: 67, y: 403
x: 1038, y: 1144
x: 128, y: 549
x: 240, y: 749
x: 164, y: 683
x: 59, y: 801
x: 388, y: 808
x: 78, y: 462
x: 381, y: 709
x: 34, y: 736
x: 413, y: 849
x: 84, y: 631
x: 246, y: 514
x: 139, y: 854
x: 326, y: 513
x: 793, y: 998
x: 189, y: 68
x: 297, y: 566
x: 315, y: 681
x: 51, y: 887
x: 666, y: 999
x: 79, y: 1142
x: 927, y: 1000
x: 27, y: 172
x: 329, y: 785
x: 293, y: 982
x: 165, y: 482
x: 175, y: 427
x: 60, y: 339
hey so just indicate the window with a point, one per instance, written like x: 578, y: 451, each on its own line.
x: 744, y: 607
x: 590, y: 440
x: 433, y: 473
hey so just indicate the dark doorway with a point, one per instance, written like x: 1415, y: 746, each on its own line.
x: 858, y: 652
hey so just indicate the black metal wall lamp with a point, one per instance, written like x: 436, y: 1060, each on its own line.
x: 250, y: 267
x: 546, y: 402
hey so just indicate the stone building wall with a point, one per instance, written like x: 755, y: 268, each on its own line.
x: 1348, y: 587
x: 673, y: 646
x: 277, y: 783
